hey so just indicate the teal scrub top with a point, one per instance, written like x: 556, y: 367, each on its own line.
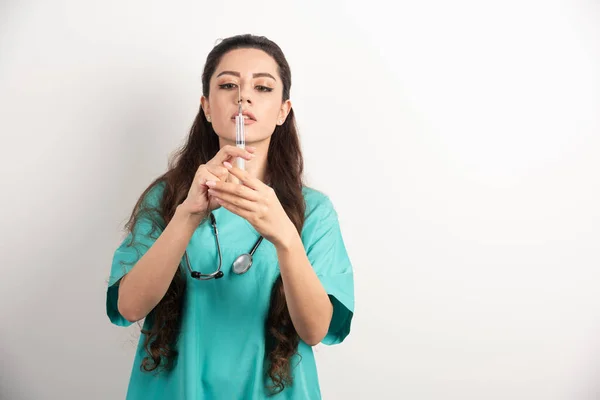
x: 222, y: 340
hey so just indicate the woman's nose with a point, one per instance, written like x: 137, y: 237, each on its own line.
x: 245, y: 91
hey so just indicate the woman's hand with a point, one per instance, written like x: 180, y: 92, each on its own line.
x: 198, y: 201
x: 256, y: 202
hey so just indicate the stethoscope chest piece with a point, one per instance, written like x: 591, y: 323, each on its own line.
x: 242, y: 264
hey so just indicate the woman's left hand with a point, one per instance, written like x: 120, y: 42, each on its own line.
x: 256, y: 202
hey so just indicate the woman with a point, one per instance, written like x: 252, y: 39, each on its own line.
x: 212, y: 331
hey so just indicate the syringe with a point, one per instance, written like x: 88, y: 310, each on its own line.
x: 240, y: 135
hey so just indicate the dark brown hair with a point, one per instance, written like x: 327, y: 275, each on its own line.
x: 284, y: 168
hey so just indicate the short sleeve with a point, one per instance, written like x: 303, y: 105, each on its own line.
x: 327, y: 254
x: 142, y: 236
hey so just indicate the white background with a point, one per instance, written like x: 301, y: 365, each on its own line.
x: 458, y: 140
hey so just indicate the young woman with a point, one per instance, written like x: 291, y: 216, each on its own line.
x: 217, y: 326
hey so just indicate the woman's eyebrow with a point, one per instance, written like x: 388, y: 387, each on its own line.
x: 257, y: 75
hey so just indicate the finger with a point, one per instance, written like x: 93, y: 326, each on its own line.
x: 237, y: 201
x: 235, y: 209
x: 207, y: 176
x: 229, y: 151
x: 219, y: 171
x: 234, y: 189
x: 244, y: 177
x: 233, y: 179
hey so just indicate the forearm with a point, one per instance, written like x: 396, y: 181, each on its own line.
x: 146, y: 284
x: 307, y: 301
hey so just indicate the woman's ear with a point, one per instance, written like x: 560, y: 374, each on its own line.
x: 205, y: 107
x: 286, y: 106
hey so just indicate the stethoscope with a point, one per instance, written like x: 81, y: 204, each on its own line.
x: 241, y: 264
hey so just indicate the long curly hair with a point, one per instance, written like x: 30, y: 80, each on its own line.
x: 284, y: 168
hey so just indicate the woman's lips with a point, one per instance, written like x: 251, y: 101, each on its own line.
x: 247, y: 121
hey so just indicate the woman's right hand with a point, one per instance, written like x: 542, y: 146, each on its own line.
x: 198, y: 201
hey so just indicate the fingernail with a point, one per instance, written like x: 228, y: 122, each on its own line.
x: 211, y: 183
x: 251, y: 147
x: 228, y: 165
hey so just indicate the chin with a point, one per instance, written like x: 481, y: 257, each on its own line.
x: 251, y: 137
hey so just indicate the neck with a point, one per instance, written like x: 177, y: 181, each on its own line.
x: 257, y: 167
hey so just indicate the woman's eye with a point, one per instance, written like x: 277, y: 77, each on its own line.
x: 228, y: 86
x: 260, y: 88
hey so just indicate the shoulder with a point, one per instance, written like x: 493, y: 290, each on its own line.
x: 149, y: 207
x: 151, y: 198
x: 155, y: 193
x: 321, y: 229
x: 320, y: 209
x: 316, y: 200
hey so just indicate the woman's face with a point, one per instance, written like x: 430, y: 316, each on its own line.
x: 251, y: 74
